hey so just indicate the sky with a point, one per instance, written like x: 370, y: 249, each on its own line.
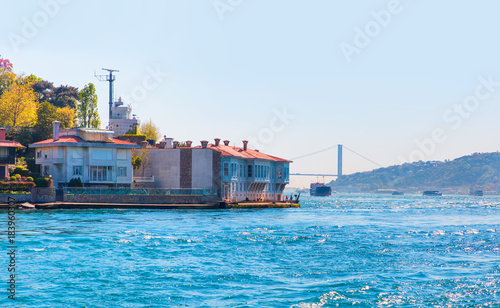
x: 395, y: 81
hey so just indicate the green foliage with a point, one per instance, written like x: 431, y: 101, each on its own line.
x: 31, y: 164
x: 135, y: 137
x: 43, y: 182
x: 46, y: 114
x: 13, y: 178
x: 136, y: 162
x: 21, y: 171
x: 29, y: 179
x: 62, y: 96
x: 24, y: 135
x: 16, y: 186
x: 134, y: 130
x: 87, y: 113
x: 75, y: 182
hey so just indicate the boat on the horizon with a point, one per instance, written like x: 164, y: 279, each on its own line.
x: 320, y: 189
x: 479, y: 193
x: 432, y: 193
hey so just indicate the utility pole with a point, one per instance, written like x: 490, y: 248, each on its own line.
x: 110, y: 78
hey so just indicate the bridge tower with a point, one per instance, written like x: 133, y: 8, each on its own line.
x: 339, y: 162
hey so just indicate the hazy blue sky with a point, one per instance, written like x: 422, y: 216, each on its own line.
x: 294, y: 77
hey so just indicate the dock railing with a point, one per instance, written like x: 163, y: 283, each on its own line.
x: 141, y: 191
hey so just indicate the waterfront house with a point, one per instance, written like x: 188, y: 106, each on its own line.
x: 92, y: 155
x: 236, y: 173
x: 248, y: 174
x: 7, y: 154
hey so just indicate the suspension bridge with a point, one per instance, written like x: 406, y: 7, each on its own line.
x: 340, y: 149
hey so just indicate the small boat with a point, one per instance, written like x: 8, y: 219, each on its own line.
x: 398, y: 193
x: 479, y: 193
x: 432, y: 193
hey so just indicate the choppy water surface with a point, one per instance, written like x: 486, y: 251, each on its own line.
x: 345, y: 250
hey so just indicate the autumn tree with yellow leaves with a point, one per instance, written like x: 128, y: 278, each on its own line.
x: 18, y: 104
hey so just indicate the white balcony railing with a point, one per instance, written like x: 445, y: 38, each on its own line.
x: 143, y: 179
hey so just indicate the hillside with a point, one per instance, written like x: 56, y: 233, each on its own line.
x: 478, y: 171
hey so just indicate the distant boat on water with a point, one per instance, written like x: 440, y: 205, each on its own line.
x: 320, y: 189
x: 479, y: 193
x: 432, y: 193
x: 398, y: 193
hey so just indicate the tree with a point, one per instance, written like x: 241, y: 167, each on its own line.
x: 46, y: 114
x: 150, y: 129
x: 18, y: 105
x: 140, y: 159
x: 5, y: 65
x: 6, y: 80
x: 67, y: 117
x: 43, y: 90
x: 87, y: 107
x: 62, y: 96
x: 67, y: 96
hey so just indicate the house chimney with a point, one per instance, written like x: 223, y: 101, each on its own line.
x: 144, y: 144
x: 55, y: 132
x: 245, y: 142
x: 226, y: 142
x: 163, y: 144
x: 217, y: 141
x: 188, y: 143
x: 176, y: 144
x: 2, y: 134
x: 204, y: 144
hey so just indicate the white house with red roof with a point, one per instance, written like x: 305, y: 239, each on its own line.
x: 7, y: 154
x: 92, y: 155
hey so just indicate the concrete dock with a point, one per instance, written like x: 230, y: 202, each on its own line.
x: 217, y: 205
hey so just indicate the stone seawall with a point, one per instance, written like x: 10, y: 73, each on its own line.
x: 18, y: 198
x: 141, y: 199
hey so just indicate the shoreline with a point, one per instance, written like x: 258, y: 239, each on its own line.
x: 94, y: 205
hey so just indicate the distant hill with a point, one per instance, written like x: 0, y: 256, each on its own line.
x: 476, y: 171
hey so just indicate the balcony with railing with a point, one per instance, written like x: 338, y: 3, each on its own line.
x: 143, y: 179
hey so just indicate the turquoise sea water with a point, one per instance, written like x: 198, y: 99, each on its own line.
x: 345, y: 250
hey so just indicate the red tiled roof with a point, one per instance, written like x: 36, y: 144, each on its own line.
x: 76, y: 139
x: 62, y: 139
x: 226, y: 150
x: 10, y: 144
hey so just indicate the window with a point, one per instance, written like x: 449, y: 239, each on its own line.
x: 77, y: 170
x: 101, y: 173
x: 250, y: 174
x: 102, y: 154
x: 122, y: 171
x: 45, y: 170
x: 121, y: 154
x: 280, y: 172
x: 39, y: 154
x: 226, y: 169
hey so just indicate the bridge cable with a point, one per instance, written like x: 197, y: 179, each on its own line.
x: 363, y: 156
